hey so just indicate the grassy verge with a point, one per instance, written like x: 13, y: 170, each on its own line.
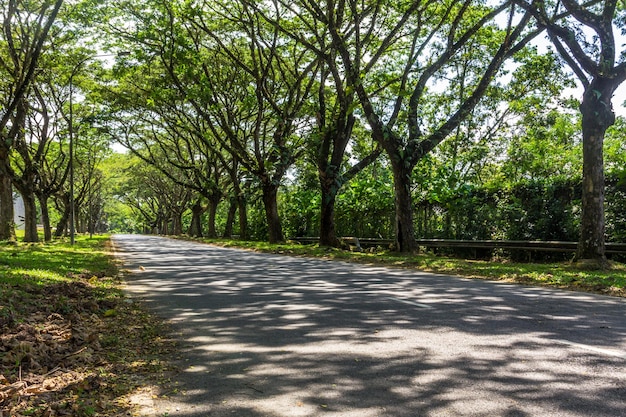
x: 563, y: 275
x: 70, y: 342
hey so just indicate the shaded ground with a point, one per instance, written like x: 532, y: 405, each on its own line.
x: 267, y: 335
x: 562, y: 275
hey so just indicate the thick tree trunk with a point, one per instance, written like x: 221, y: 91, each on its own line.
x: 230, y: 219
x: 242, y: 209
x: 81, y: 223
x: 213, y: 204
x: 404, y: 229
x: 195, y: 229
x: 328, y: 233
x: 7, y: 225
x: 597, y: 117
x: 30, y: 218
x: 62, y: 225
x: 162, y: 224
x: 45, y: 218
x: 270, y: 201
x: 331, y: 158
x: 331, y: 180
x: 177, y: 224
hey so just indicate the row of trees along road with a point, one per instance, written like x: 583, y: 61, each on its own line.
x: 42, y: 47
x: 221, y: 98
x: 25, y: 28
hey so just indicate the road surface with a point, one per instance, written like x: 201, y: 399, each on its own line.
x: 272, y: 335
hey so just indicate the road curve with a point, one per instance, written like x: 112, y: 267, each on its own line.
x: 272, y: 335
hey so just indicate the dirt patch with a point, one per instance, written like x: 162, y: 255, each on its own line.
x: 75, y: 349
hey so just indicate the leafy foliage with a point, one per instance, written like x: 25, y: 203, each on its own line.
x: 272, y: 115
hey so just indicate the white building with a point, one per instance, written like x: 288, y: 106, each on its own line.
x: 19, y: 211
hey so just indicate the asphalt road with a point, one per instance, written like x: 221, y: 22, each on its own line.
x: 272, y: 335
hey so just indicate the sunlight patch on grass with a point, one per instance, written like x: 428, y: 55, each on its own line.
x: 53, y: 262
x: 60, y: 290
x: 38, y: 275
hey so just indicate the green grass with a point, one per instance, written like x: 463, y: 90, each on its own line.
x: 28, y: 269
x: 556, y: 274
x: 58, y: 261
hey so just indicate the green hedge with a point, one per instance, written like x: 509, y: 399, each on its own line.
x: 532, y: 210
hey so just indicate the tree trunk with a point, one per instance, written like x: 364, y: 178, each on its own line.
x: 177, y: 224
x: 230, y: 219
x: 597, y: 114
x: 7, y: 224
x: 162, y: 224
x: 270, y: 201
x: 213, y: 203
x: 212, y: 230
x: 30, y: 218
x: 90, y: 218
x: 62, y: 225
x: 328, y: 233
x: 242, y: 208
x: 45, y: 218
x: 404, y: 229
x: 81, y: 222
x: 195, y: 229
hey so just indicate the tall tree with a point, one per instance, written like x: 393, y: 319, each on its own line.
x: 586, y: 41
x: 25, y: 28
x: 31, y: 148
x: 282, y: 74
x: 334, y: 105
x: 183, y: 153
x: 258, y: 119
x: 51, y: 112
x: 393, y: 54
x: 157, y: 124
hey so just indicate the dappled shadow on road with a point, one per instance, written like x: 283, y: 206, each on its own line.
x: 266, y: 335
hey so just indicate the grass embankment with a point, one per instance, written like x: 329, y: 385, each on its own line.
x: 70, y: 343
x: 563, y: 275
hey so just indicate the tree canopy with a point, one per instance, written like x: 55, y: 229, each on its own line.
x: 269, y: 120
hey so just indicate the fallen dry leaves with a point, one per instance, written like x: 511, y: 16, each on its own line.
x: 69, y: 350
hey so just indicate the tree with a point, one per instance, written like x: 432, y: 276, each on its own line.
x: 280, y: 75
x: 30, y: 162
x: 393, y: 54
x: 24, y: 177
x: 175, y: 148
x: 154, y: 196
x: 334, y: 106
x: 258, y: 120
x: 25, y: 28
x: 585, y: 39
x: 159, y: 126
x: 51, y: 127
x: 90, y: 151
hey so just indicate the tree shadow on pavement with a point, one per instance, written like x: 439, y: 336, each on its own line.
x: 267, y: 335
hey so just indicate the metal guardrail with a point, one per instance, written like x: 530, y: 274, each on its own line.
x: 530, y: 245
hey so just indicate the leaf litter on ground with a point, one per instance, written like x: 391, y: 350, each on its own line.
x: 76, y: 348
